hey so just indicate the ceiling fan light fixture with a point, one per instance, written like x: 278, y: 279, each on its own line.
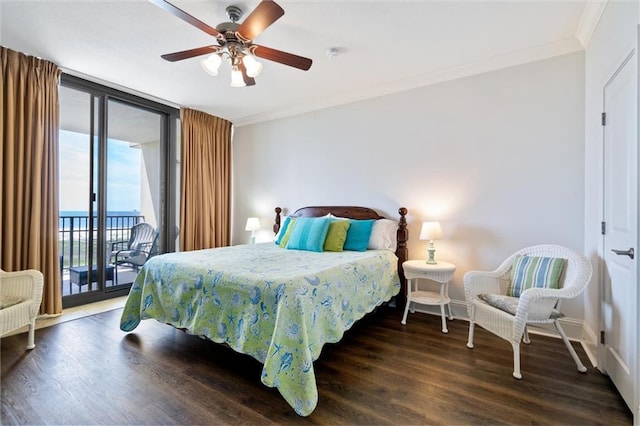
x: 236, y: 78
x: 254, y: 68
x: 211, y: 64
x: 234, y: 42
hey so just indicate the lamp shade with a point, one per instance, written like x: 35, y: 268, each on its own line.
x: 211, y: 64
x: 236, y: 78
x: 253, y: 224
x: 430, y: 231
x: 253, y: 67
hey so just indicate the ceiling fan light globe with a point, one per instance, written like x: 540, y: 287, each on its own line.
x: 236, y: 78
x: 254, y: 68
x: 211, y: 64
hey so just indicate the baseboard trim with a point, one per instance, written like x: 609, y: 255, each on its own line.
x: 590, y: 343
x: 576, y: 330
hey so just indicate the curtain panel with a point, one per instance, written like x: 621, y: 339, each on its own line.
x: 205, y: 202
x: 29, y: 124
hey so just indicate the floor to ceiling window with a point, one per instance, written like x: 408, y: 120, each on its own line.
x: 117, y: 188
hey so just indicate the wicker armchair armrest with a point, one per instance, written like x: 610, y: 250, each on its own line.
x: 477, y: 282
x: 481, y: 282
x: 537, y: 306
x: 25, y: 284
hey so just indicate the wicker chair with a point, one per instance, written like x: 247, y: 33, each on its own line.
x: 20, y: 298
x: 534, y: 306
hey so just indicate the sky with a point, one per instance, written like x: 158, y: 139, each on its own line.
x: 123, y: 173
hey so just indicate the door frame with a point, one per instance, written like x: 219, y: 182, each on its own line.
x: 168, y: 217
x: 601, y: 347
x: 636, y: 384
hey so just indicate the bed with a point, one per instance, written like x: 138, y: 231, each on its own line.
x: 278, y: 305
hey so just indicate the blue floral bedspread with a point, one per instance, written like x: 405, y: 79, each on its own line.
x: 279, y: 306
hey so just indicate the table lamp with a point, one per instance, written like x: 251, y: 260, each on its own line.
x: 431, y: 231
x: 253, y: 225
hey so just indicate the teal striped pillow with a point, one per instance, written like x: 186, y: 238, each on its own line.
x: 534, y: 272
x: 309, y: 233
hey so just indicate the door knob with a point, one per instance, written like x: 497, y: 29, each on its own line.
x: 629, y: 252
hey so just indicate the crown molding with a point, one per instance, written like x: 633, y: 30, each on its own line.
x: 591, y: 15
x: 494, y: 63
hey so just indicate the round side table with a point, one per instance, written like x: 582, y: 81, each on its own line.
x: 441, y: 272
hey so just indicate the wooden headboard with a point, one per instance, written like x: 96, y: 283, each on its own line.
x: 355, y: 212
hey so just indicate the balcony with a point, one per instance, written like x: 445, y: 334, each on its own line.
x: 73, y: 243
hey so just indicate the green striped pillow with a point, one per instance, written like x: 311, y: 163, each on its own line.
x: 283, y: 231
x: 534, y: 272
x: 282, y: 242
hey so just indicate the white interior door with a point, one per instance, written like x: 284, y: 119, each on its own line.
x: 620, y: 284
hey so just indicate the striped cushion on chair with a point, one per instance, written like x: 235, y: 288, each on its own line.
x: 534, y: 272
x: 510, y: 304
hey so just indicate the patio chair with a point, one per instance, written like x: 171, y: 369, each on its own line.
x: 142, y: 234
x: 507, y: 315
x: 20, y: 298
x: 141, y: 246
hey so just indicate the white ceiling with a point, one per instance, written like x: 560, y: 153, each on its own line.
x: 387, y: 46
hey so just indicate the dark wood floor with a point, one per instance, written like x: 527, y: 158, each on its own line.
x: 89, y: 372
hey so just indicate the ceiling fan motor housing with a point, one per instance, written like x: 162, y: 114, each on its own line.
x: 229, y: 30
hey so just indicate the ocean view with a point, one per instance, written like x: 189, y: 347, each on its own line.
x: 73, y: 237
x: 79, y: 219
x: 111, y: 213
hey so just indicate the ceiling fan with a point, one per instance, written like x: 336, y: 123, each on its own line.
x: 235, y: 42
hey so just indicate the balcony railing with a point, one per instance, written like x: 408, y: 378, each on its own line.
x: 73, y: 240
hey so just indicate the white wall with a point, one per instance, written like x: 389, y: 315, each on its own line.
x: 610, y: 44
x: 150, y: 182
x: 498, y: 158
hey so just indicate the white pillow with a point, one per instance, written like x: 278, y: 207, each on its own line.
x: 384, y: 235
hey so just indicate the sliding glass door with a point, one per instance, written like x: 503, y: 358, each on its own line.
x: 113, y: 188
x: 133, y: 192
x: 76, y: 207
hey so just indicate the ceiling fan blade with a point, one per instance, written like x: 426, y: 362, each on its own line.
x: 265, y: 14
x: 186, y: 54
x: 188, y: 18
x: 249, y: 81
x: 281, y: 57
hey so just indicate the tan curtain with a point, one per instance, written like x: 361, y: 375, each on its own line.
x: 205, y: 202
x: 29, y: 175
